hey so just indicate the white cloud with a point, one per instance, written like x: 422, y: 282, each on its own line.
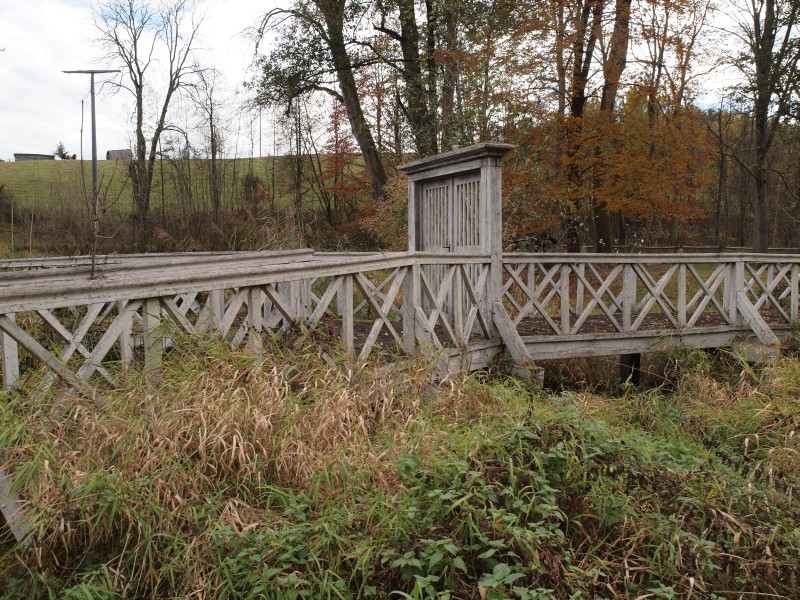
x: 40, y: 106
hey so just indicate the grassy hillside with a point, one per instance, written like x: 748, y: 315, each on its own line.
x: 38, y: 184
x: 45, y: 206
x: 289, y: 479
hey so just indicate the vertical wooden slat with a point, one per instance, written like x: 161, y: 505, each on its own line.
x: 491, y: 229
x: 126, y: 340
x: 458, y: 305
x: 255, y: 320
x: 681, y: 295
x: 579, y: 291
x: 628, y: 296
x: 411, y: 300
x: 153, y: 340
x: 10, y: 357
x: 302, y: 298
x: 216, y: 307
x: 794, y: 295
x: 565, y: 304
x: 345, y: 302
x: 734, y: 283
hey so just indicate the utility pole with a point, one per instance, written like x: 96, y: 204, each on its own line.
x: 95, y: 183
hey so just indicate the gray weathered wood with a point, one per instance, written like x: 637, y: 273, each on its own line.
x: 153, y: 340
x: 10, y: 357
x: 13, y: 509
x: 34, y: 347
x: 508, y: 333
x: 755, y: 321
x: 345, y: 301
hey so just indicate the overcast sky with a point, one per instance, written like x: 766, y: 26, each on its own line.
x: 40, y: 106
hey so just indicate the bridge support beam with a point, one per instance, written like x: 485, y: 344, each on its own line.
x: 524, y: 367
x: 630, y: 368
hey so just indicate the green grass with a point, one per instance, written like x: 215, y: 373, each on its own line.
x: 35, y: 185
x: 289, y: 479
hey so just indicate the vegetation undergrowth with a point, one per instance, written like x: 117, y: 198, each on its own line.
x: 287, y: 478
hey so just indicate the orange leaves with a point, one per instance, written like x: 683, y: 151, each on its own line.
x: 641, y: 165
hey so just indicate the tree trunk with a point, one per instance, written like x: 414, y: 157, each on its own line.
x: 421, y: 119
x: 613, y: 68
x: 333, y: 13
x: 449, y: 78
x: 582, y: 51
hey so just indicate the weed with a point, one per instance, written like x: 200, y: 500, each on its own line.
x: 289, y: 478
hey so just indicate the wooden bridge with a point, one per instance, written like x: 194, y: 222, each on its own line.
x: 454, y: 294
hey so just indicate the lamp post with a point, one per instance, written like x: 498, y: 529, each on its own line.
x: 95, y: 183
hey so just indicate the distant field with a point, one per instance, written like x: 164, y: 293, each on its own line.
x: 40, y: 184
x: 46, y: 208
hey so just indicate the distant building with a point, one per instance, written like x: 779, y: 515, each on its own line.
x: 119, y: 155
x: 22, y: 157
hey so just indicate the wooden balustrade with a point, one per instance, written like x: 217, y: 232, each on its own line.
x: 618, y: 299
x: 73, y: 325
x: 396, y: 302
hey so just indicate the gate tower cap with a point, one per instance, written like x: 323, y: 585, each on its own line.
x: 459, y: 155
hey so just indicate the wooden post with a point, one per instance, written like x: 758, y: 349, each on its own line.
x: 681, y: 295
x: 126, y: 340
x: 735, y: 284
x: 564, y: 294
x: 254, y: 320
x: 458, y: 307
x: 345, y: 302
x: 628, y: 296
x: 153, y: 341
x: 301, y: 293
x: 411, y: 300
x: 794, y: 295
x: 10, y: 357
x: 579, y: 291
x: 216, y: 310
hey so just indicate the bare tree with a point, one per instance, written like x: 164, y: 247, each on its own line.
x: 146, y: 39
x: 769, y: 32
x: 315, y: 45
x: 205, y: 97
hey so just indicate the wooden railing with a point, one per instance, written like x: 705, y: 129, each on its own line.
x: 394, y: 302
x: 61, y: 319
x: 567, y: 295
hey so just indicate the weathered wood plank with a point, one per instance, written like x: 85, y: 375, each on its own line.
x: 40, y: 352
x: 345, y: 301
x: 508, y: 333
x: 153, y: 340
x: 755, y: 321
x: 13, y: 510
x: 10, y: 357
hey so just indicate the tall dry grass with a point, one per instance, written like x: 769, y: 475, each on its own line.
x: 287, y: 477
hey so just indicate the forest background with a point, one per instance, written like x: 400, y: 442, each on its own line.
x: 637, y: 123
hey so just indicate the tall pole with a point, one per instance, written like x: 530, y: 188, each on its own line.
x: 95, y: 183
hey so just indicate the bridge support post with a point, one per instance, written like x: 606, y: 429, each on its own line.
x: 630, y: 368
x: 153, y: 341
x: 412, y: 298
x: 735, y: 285
x: 10, y: 357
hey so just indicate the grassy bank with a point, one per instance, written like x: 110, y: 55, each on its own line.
x: 46, y: 208
x: 290, y: 479
x: 37, y: 185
